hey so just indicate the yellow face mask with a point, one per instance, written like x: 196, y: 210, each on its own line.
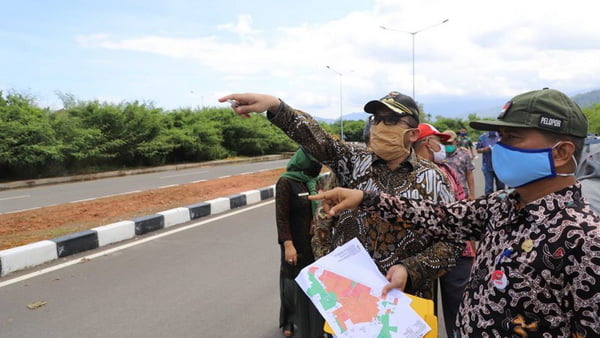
x: 388, y: 141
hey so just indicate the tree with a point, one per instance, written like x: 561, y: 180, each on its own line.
x: 27, y: 140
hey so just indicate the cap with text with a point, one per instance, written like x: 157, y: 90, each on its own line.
x: 546, y: 109
x: 396, y: 102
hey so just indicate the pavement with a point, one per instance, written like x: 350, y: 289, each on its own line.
x: 30, y: 255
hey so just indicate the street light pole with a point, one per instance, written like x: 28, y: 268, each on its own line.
x: 341, y: 110
x: 413, y: 48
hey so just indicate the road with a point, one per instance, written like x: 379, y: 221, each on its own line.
x: 47, y: 195
x: 218, y: 278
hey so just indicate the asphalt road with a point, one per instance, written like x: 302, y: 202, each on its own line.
x: 47, y: 195
x: 217, y: 279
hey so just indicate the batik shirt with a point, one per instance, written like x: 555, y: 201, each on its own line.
x: 537, y: 271
x: 461, y: 162
x: 357, y: 167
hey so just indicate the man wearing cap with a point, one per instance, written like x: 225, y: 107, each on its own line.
x: 388, y: 165
x: 537, y: 270
x: 430, y: 146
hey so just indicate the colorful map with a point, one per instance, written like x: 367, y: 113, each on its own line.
x: 346, y: 288
x: 350, y: 302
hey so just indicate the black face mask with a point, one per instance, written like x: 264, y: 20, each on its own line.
x: 313, y: 170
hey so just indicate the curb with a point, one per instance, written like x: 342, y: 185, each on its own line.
x: 26, y: 256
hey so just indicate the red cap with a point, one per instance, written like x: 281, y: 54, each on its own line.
x: 426, y: 129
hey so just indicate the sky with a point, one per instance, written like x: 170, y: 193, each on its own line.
x: 184, y: 53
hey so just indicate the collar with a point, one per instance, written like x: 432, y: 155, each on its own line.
x: 545, y: 207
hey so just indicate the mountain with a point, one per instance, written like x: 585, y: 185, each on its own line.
x: 451, y: 107
x: 587, y: 99
x: 347, y: 117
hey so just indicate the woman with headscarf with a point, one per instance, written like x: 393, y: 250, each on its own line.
x: 294, y: 215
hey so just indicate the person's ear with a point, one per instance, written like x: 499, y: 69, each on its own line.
x: 563, y: 154
x: 413, y: 135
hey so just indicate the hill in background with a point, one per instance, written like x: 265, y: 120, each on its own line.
x: 492, y: 108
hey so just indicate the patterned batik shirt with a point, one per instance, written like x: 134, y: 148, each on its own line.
x: 357, y: 167
x: 460, y: 161
x: 537, y: 271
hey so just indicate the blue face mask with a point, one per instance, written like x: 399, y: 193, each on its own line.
x: 517, y: 167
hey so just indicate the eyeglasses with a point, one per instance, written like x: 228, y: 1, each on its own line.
x: 388, y: 119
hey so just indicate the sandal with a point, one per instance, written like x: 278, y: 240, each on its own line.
x: 288, y: 330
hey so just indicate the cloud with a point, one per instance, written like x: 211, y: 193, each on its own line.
x: 486, y: 49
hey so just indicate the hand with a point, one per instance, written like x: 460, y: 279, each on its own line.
x: 251, y: 103
x: 397, y: 275
x: 339, y: 199
x: 291, y: 256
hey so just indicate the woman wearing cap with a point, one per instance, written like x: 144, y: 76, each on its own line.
x: 294, y: 214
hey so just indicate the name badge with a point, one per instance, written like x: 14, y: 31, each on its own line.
x: 499, y: 279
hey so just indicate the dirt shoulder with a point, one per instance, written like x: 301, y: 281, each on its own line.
x: 30, y: 226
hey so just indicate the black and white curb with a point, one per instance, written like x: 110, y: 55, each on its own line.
x: 37, y: 253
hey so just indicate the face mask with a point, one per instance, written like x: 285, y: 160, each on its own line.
x: 440, y: 155
x: 518, y: 167
x: 388, y: 141
x: 462, y: 134
x: 450, y: 148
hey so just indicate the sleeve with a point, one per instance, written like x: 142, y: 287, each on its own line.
x: 461, y: 220
x: 282, y: 210
x: 480, y: 142
x: 306, y: 131
x: 321, y: 241
x: 468, y: 163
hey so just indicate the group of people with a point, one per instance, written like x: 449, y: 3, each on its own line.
x: 409, y: 199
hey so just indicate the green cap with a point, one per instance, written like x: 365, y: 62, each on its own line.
x: 546, y: 109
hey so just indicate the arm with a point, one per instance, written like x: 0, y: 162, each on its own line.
x: 321, y: 241
x: 471, y: 184
x: 300, y: 127
x: 282, y: 217
x: 482, y: 147
x: 459, y: 220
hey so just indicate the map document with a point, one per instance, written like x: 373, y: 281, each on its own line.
x: 346, y: 286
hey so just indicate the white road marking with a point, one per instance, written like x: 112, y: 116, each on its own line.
x: 14, y: 197
x: 187, y: 174
x: 128, y: 245
x: 121, y: 193
x: 84, y: 200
